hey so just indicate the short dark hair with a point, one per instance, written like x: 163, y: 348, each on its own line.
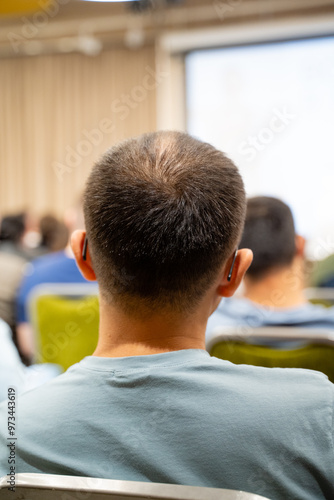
x: 54, y: 233
x: 270, y: 233
x: 163, y: 211
x: 12, y: 228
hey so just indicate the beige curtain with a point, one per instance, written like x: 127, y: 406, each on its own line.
x: 59, y: 112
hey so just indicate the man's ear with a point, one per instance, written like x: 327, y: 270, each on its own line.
x: 300, y: 245
x: 85, y: 266
x: 242, y: 262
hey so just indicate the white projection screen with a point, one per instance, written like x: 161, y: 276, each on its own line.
x: 270, y: 107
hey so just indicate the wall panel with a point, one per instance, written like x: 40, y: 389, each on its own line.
x: 59, y: 112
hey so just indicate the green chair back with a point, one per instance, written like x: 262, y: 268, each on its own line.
x: 313, y: 357
x: 322, y: 296
x: 66, y: 327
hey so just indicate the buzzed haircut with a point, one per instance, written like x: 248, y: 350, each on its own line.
x: 270, y: 233
x: 163, y: 212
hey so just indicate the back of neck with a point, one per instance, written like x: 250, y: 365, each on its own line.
x: 122, y: 335
x: 281, y: 288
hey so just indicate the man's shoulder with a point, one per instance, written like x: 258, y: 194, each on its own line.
x: 283, y: 398
x: 299, y: 377
x: 45, y: 398
x: 209, y: 374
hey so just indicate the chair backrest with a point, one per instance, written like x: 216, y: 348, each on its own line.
x: 65, y: 320
x: 316, y: 353
x: 52, y: 487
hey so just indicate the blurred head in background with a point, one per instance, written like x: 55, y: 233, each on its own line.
x: 278, y: 253
x: 12, y: 228
x: 13, y: 231
x: 54, y: 233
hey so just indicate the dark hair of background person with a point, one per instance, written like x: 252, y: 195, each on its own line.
x: 12, y: 228
x: 270, y: 233
x: 54, y: 233
x: 163, y: 211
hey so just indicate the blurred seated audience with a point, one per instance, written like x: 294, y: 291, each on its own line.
x: 56, y: 267
x: 15, y: 254
x: 274, y: 284
x: 13, y: 373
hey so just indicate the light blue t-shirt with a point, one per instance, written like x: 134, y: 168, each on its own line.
x: 181, y: 417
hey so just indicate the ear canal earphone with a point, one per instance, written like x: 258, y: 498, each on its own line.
x: 84, y: 249
x: 231, y: 269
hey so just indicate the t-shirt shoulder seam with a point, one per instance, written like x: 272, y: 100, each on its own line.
x: 138, y: 369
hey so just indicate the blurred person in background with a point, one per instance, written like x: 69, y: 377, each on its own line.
x: 54, y: 234
x: 13, y: 258
x: 43, y: 235
x: 56, y: 267
x: 12, y: 232
x: 15, y: 253
x: 323, y: 273
x: 13, y: 373
x: 20, y: 235
x: 275, y: 281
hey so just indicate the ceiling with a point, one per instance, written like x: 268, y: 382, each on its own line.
x: 32, y: 27
x: 15, y: 8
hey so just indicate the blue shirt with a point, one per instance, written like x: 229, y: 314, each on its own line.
x: 52, y: 268
x: 243, y: 312
x: 181, y: 417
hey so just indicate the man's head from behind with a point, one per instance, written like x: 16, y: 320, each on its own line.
x: 163, y: 212
x: 270, y: 233
x: 12, y: 228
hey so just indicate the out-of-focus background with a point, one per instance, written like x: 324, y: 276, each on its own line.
x: 254, y: 77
